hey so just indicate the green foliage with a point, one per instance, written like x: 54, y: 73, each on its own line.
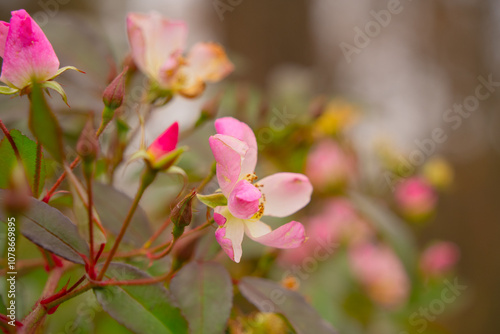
x: 50, y: 229
x: 43, y: 123
x: 269, y: 296
x: 112, y: 207
x: 142, y: 308
x: 205, y: 294
x: 27, y: 151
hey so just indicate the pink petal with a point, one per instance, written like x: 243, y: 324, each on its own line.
x: 209, y: 61
x: 285, y: 193
x: 4, y: 30
x: 227, y: 152
x: 28, y: 53
x: 243, y: 202
x: 153, y: 39
x: 290, y: 235
x: 230, y: 238
x: 166, y: 142
x: 234, y: 128
x: 219, y: 219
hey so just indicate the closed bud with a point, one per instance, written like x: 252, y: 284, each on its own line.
x: 88, y: 145
x: 113, y: 94
x: 182, y: 214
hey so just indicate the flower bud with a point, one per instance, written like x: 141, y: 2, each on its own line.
x: 415, y: 198
x: 88, y: 145
x: 16, y: 199
x: 439, y: 258
x: 113, y: 94
x: 438, y: 173
x: 182, y: 214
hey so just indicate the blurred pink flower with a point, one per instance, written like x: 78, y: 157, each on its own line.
x: 439, y: 258
x: 338, y: 222
x: 329, y: 166
x: 279, y: 195
x: 157, y: 48
x: 27, y: 55
x: 381, y: 273
x: 415, y: 197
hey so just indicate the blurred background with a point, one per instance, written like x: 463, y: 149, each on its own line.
x: 410, y: 73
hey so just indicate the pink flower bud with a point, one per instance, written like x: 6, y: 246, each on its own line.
x: 415, y: 198
x: 439, y: 258
x: 113, y: 94
x: 329, y: 166
x: 165, y: 143
x: 381, y: 274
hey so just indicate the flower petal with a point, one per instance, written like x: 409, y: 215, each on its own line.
x: 227, y: 152
x: 243, y: 202
x: 165, y: 143
x: 232, y: 127
x: 209, y: 61
x: 28, y: 53
x: 285, y: 193
x: 230, y: 237
x: 153, y: 39
x: 4, y: 30
x: 290, y: 235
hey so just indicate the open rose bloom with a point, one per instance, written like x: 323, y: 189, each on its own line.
x: 279, y: 195
x: 27, y: 55
x: 158, y: 46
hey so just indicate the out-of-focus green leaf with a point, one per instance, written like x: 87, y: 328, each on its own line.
x: 44, y: 124
x: 112, y: 207
x: 269, y: 296
x: 50, y: 229
x: 205, y: 294
x: 27, y: 151
x: 141, y: 308
x: 392, y: 229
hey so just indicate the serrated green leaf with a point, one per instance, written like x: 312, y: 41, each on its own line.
x: 205, y: 295
x: 213, y: 200
x: 269, y: 296
x: 50, y: 229
x: 44, y: 125
x: 112, y: 207
x: 27, y: 151
x: 143, y: 309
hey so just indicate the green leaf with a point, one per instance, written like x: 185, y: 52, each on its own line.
x: 112, y: 207
x: 50, y: 229
x: 27, y: 151
x: 141, y: 308
x: 392, y: 228
x: 44, y: 124
x: 205, y: 295
x: 269, y: 296
x: 213, y: 200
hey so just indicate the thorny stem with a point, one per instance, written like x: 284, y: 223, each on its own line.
x: 148, y: 177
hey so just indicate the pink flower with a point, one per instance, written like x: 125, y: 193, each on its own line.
x: 27, y: 55
x: 415, y: 197
x: 381, y: 274
x: 439, y: 258
x: 329, y: 166
x: 338, y: 222
x: 157, y: 48
x: 279, y: 195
